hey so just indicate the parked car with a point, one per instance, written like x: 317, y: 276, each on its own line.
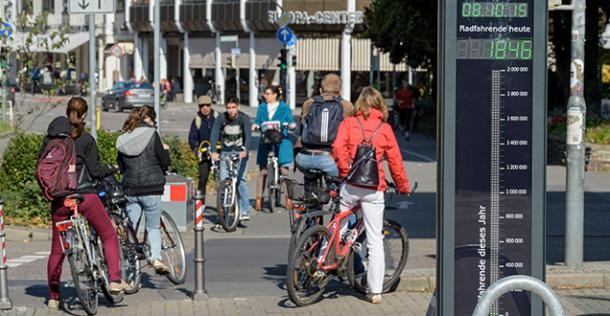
x: 127, y: 95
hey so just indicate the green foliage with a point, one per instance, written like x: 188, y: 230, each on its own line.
x: 183, y: 160
x: 405, y: 29
x: 106, y: 141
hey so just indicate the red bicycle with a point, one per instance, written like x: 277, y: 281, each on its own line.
x: 323, y: 251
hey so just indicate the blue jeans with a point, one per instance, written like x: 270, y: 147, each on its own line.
x: 151, y: 205
x: 242, y: 185
x: 326, y: 163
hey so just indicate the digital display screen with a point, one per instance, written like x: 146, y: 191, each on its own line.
x: 494, y: 10
x: 495, y: 49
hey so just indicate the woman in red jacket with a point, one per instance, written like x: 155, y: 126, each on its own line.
x: 370, y: 113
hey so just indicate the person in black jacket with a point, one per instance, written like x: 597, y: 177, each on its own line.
x: 199, y: 139
x: 143, y: 160
x: 88, y: 167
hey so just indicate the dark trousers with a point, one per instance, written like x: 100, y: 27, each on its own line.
x: 204, y: 173
x: 96, y: 215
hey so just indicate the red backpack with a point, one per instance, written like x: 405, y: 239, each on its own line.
x: 56, y: 168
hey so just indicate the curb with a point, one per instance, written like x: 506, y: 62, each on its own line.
x: 590, y: 275
x: 25, y: 234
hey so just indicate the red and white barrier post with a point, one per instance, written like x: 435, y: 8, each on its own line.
x: 199, y: 293
x: 5, y: 300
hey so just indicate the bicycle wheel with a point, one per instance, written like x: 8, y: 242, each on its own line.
x: 396, y: 251
x: 227, y: 216
x: 301, y: 225
x: 102, y: 268
x: 130, y: 263
x: 271, y: 189
x: 172, y: 249
x: 82, y: 276
x: 305, y: 282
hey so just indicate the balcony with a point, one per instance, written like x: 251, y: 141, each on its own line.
x: 225, y: 15
x: 192, y: 16
x: 256, y: 15
x: 168, y: 21
x: 139, y: 16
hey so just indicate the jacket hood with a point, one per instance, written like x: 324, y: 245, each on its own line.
x: 59, y: 126
x: 376, y: 114
x: 133, y: 143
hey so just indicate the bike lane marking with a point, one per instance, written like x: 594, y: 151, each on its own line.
x: 12, y: 263
x: 424, y: 157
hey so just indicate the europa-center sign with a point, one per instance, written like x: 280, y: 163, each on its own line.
x: 492, y: 151
x: 319, y: 17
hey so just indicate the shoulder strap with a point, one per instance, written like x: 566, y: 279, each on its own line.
x: 197, y: 121
x: 370, y: 141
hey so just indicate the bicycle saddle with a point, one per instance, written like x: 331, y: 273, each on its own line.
x: 75, y: 197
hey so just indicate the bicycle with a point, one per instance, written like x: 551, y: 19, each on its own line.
x: 135, y: 249
x: 227, y: 194
x: 86, y: 258
x: 322, y: 251
x: 275, y: 180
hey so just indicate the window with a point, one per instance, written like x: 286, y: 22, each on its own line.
x: 48, y: 5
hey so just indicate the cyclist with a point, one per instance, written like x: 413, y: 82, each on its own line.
x: 369, y: 117
x: 232, y: 129
x: 88, y: 167
x: 274, y: 110
x: 316, y: 152
x: 199, y: 134
x: 143, y: 160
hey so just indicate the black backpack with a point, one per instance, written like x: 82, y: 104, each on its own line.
x: 364, y: 171
x: 322, y: 122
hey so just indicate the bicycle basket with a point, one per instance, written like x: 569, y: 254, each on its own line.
x: 272, y: 137
x: 310, y: 195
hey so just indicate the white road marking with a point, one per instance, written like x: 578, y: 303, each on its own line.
x: 26, y: 259
x: 412, y: 153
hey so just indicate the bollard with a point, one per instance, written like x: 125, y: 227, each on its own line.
x: 5, y: 301
x: 199, y: 293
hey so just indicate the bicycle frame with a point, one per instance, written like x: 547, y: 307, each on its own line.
x: 340, y: 251
x: 233, y: 170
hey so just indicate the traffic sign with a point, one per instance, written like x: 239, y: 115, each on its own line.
x: 292, y: 42
x: 284, y: 35
x: 116, y: 51
x: 6, y: 30
x: 235, y: 51
x: 91, y: 6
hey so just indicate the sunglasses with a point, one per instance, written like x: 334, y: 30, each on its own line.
x: 205, y: 105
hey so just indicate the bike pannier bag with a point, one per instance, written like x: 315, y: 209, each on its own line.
x: 56, y: 168
x: 364, y: 171
x: 322, y: 122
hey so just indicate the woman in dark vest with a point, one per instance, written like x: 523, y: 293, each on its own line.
x: 143, y: 160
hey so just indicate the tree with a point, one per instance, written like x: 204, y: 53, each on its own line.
x: 36, y: 33
x: 406, y: 29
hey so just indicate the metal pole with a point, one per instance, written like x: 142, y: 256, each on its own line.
x: 188, y: 77
x: 92, y: 72
x: 199, y: 293
x: 575, y: 176
x: 156, y: 52
x: 346, y: 55
x: 4, y: 89
x: 252, y: 82
x: 292, y: 80
x: 219, y: 80
x: 5, y: 300
x: 522, y: 282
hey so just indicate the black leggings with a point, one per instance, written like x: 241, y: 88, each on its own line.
x: 204, y: 172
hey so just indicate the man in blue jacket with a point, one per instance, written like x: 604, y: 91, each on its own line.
x: 199, y: 139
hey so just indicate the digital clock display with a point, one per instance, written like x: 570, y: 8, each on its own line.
x: 494, y: 49
x: 494, y: 10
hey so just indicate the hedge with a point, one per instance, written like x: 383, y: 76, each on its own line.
x: 23, y: 201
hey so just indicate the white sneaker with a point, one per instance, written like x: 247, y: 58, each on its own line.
x: 160, y: 267
x: 375, y: 299
x: 244, y: 217
x: 54, y: 304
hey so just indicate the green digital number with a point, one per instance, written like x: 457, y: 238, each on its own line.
x: 522, y: 10
x: 526, y: 50
x: 466, y: 9
x: 499, y: 49
x: 513, y: 49
x: 476, y: 10
x: 499, y: 10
